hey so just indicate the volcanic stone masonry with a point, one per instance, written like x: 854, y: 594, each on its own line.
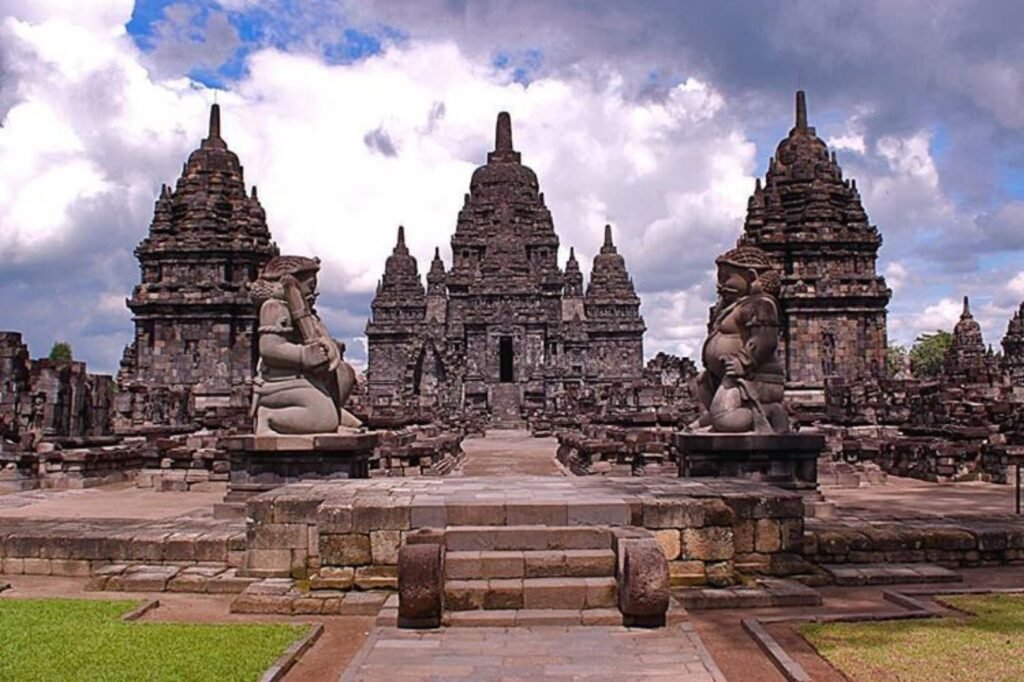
x: 810, y: 219
x: 505, y: 331
x: 193, y: 354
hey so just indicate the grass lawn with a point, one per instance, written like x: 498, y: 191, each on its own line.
x: 988, y: 646
x: 77, y: 639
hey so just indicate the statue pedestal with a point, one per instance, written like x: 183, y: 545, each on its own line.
x: 785, y: 460
x: 262, y: 463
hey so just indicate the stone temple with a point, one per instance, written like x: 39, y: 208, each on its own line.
x: 506, y: 329
x: 193, y: 351
x: 810, y: 219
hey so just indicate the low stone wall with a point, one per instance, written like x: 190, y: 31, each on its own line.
x: 617, y: 451
x: 345, y: 536
x: 425, y: 450
x: 951, y: 541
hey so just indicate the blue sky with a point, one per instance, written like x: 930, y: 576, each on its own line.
x: 354, y: 116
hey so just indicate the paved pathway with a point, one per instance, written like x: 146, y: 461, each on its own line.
x: 908, y: 497
x: 540, y: 653
x: 510, y: 453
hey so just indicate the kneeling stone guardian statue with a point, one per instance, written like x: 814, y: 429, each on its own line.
x: 740, y: 389
x: 302, y: 379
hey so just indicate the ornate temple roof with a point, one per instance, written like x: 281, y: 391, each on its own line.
x: 805, y: 198
x: 609, y: 279
x: 436, y: 275
x: 573, y: 276
x: 209, y: 202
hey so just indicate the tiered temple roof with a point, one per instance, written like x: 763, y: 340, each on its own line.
x: 194, y: 319
x: 810, y: 219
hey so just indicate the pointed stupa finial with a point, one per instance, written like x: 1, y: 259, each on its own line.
x: 437, y: 253
x: 572, y: 253
x: 503, y: 133
x: 801, y: 110
x: 608, y: 236
x: 214, y: 122
x: 967, y: 308
x: 401, y: 236
x: 255, y: 194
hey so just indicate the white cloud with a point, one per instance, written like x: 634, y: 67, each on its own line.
x: 89, y: 123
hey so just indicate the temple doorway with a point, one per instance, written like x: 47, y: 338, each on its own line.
x: 505, y: 360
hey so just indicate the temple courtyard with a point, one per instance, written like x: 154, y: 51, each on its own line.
x: 864, y: 559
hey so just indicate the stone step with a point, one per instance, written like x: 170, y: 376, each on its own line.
x: 525, y: 538
x: 507, y: 618
x: 573, y: 594
x: 572, y: 563
x: 890, y: 574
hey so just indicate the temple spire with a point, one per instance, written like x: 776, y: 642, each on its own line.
x: 401, y: 237
x: 608, y: 237
x: 503, y: 133
x: 967, y: 308
x: 214, y: 122
x: 801, y: 110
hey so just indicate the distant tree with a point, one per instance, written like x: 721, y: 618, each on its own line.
x: 895, y: 358
x: 928, y: 352
x: 61, y: 351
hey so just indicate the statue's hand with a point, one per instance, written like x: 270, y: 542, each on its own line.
x: 733, y: 367
x: 314, y: 355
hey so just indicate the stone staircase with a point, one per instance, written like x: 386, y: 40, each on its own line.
x: 521, y: 575
x: 504, y: 404
x: 517, y: 575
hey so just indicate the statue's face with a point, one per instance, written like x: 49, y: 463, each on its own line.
x: 307, y: 284
x: 733, y: 282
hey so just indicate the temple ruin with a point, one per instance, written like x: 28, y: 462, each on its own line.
x: 506, y: 329
x: 810, y: 219
x: 193, y: 356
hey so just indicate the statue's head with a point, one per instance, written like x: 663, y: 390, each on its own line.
x: 743, y: 271
x: 303, y: 270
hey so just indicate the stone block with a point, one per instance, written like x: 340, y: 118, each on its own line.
x: 376, y: 577
x: 296, y: 509
x: 589, y: 563
x: 333, y: 517
x: 672, y: 513
x: 428, y: 513
x: 504, y: 593
x: 14, y: 565
x: 384, y: 546
x: 279, y: 536
x: 669, y: 541
x: 554, y: 593
x: 362, y: 603
x: 687, y: 573
x: 383, y: 514
x: 79, y: 568
x: 601, y: 592
x: 714, y: 543
x: 501, y: 565
x: 476, y: 514
x: 545, y: 564
x: 464, y: 595
x: 333, y: 578
x: 768, y: 538
x: 743, y: 533
x: 420, y: 586
x: 352, y: 549
x: 34, y: 566
x: 537, y: 513
x: 268, y: 562
x: 608, y: 513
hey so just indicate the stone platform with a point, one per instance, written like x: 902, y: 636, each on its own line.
x: 344, y: 534
x: 788, y: 460
x: 262, y: 463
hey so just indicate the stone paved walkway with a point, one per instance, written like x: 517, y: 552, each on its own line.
x: 117, y: 501
x: 541, y: 653
x: 510, y: 453
x: 907, y: 497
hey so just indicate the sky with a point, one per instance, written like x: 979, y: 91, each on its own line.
x: 655, y: 116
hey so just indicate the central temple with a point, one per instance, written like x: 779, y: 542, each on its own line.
x: 506, y: 331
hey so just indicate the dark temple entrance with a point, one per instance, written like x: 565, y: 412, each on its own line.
x: 505, y: 359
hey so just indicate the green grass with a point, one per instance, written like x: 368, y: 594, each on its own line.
x: 988, y: 646
x: 74, y: 639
